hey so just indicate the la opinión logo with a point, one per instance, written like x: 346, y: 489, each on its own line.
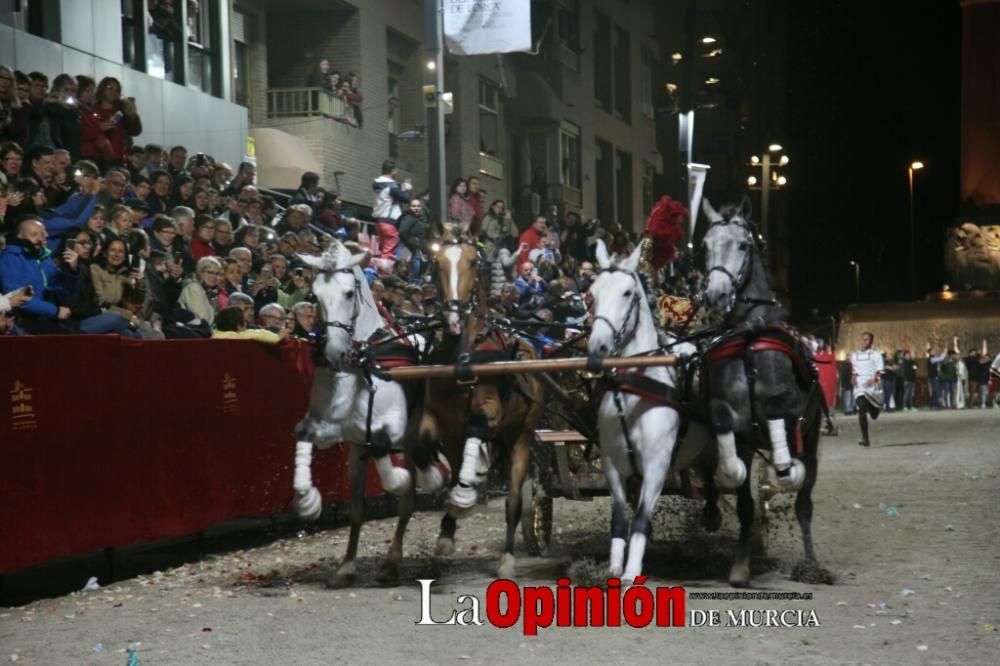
x: 507, y: 603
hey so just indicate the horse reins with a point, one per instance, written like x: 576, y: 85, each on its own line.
x: 741, y: 279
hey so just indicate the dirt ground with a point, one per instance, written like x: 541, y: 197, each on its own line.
x: 909, y: 528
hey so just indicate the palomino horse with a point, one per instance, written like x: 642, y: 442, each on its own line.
x: 755, y: 374
x: 637, y: 417
x: 462, y: 415
x: 348, y: 405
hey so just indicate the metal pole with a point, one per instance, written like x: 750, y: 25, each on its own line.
x: 913, y: 258
x: 525, y: 367
x: 434, y: 75
x: 857, y: 282
x: 685, y: 118
x: 765, y: 190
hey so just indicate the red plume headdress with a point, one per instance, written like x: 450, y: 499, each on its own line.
x: 665, y: 229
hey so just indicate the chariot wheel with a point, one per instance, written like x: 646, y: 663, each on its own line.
x: 763, y: 490
x: 536, y: 502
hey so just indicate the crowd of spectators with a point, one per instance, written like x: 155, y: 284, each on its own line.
x: 101, y: 234
x: 953, y: 380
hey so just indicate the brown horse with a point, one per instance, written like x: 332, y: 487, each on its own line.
x: 460, y: 416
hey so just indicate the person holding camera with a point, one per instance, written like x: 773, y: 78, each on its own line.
x: 530, y: 284
x: 118, y: 120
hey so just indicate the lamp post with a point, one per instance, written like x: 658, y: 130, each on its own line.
x: 914, y: 166
x: 770, y: 179
x: 857, y: 281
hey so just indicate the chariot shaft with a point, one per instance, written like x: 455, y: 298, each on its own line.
x: 526, y: 367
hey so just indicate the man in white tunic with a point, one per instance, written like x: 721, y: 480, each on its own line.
x: 866, y: 366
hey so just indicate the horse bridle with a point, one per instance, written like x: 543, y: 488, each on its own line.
x: 620, y: 335
x: 457, y: 306
x: 348, y: 326
x: 742, y: 277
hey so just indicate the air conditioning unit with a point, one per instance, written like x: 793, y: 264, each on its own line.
x: 531, y: 203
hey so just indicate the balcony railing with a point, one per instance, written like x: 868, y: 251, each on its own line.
x: 490, y: 166
x: 308, y: 102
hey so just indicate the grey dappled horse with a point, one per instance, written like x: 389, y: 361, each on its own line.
x: 754, y: 387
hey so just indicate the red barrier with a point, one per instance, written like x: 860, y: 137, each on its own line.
x: 107, y: 441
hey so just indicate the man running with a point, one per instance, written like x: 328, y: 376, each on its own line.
x: 866, y: 367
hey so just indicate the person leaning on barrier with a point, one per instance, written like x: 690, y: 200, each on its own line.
x: 231, y: 325
x: 273, y: 317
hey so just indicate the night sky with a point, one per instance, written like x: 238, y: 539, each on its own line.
x: 872, y: 86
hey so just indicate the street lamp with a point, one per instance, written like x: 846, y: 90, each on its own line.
x: 857, y: 281
x: 914, y: 166
x: 770, y: 179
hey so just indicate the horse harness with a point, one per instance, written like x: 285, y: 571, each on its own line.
x: 743, y: 345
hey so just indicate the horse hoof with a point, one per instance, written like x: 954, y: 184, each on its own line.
x: 388, y: 573
x: 444, y: 547
x: 739, y: 575
x: 791, y: 479
x: 506, y: 568
x: 731, y: 474
x: 435, y: 477
x: 615, y: 572
x: 711, y: 518
x: 397, y: 482
x: 308, y: 504
x: 341, y: 578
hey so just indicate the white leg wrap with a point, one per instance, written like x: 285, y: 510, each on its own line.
x: 782, y: 459
x: 303, y: 461
x: 395, y: 480
x: 308, y: 503
x: 779, y: 444
x: 636, y: 550
x: 470, y: 461
x: 731, y: 472
x: 617, y: 560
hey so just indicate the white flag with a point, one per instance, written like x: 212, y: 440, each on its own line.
x: 697, y: 173
x: 474, y: 27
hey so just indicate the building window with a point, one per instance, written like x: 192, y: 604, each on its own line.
x: 569, y: 155
x: 241, y: 30
x: 133, y: 37
x: 489, y: 118
x: 648, y: 196
x: 647, y: 60
x: 393, y: 122
x: 202, y: 46
x: 623, y: 75
x: 623, y: 189
x: 602, y: 62
x: 604, y: 170
x: 163, y: 41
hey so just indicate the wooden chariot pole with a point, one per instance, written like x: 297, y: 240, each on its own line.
x: 528, y: 367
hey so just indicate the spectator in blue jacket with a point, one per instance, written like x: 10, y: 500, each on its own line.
x: 29, y: 263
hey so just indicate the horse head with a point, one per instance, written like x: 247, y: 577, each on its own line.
x: 617, y: 301
x: 728, y: 244
x: 345, y: 302
x: 456, y: 262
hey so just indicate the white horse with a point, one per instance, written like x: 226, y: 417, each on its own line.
x: 345, y: 406
x: 637, y: 434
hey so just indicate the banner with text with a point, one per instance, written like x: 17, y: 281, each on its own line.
x: 475, y: 27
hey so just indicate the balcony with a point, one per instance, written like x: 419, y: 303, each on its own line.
x: 565, y: 196
x: 349, y: 156
x: 308, y: 103
x: 490, y: 166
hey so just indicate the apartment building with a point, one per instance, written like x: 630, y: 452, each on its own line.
x: 570, y: 124
x: 172, y: 60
